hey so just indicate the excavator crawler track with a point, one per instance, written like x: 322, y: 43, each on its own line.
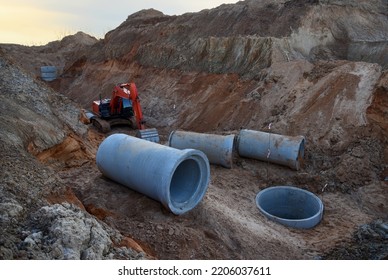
x: 100, y: 124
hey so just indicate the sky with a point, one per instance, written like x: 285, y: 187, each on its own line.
x: 37, y: 22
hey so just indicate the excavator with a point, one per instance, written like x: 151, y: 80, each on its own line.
x: 123, y: 108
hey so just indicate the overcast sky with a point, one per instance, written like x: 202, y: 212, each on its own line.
x: 36, y: 22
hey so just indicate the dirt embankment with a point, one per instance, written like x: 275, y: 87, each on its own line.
x: 312, y: 74
x: 40, y: 217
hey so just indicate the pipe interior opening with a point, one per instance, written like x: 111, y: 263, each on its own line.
x: 185, y: 181
x: 289, y: 204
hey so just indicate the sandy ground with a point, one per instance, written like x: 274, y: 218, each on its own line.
x: 227, y: 223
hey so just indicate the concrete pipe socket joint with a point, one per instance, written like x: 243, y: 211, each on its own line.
x: 274, y: 148
x: 177, y: 178
x: 217, y: 148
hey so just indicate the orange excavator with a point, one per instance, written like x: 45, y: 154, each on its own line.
x: 123, y: 108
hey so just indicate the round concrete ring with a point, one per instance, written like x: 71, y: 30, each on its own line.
x: 290, y: 206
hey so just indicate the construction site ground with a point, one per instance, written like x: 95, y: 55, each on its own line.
x: 320, y: 72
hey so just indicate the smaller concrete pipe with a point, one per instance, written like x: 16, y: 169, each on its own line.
x: 274, y: 148
x: 177, y: 178
x: 218, y: 148
x: 48, y: 73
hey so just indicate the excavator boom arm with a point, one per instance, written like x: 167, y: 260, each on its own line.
x: 128, y: 91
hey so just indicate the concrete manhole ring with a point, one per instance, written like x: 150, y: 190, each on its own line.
x: 290, y: 206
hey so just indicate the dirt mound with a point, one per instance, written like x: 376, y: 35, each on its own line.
x: 311, y: 68
x: 40, y: 218
x: 60, y: 54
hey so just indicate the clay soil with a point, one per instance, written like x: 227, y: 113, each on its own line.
x: 346, y: 173
x: 227, y: 223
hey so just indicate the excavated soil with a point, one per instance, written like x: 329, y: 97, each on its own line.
x: 343, y: 170
x: 291, y: 78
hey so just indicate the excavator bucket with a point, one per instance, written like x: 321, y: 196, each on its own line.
x: 149, y: 134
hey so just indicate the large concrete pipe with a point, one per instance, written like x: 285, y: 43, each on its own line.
x: 218, y: 148
x: 176, y: 178
x: 275, y: 148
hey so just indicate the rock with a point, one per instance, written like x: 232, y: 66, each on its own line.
x: 63, y: 231
x: 9, y: 210
x: 384, y: 227
x: 159, y: 227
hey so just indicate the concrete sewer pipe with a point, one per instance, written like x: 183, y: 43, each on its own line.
x: 177, y: 178
x: 274, y: 148
x: 218, y: 148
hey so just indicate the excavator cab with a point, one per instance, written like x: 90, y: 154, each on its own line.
x: 127, y: 110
